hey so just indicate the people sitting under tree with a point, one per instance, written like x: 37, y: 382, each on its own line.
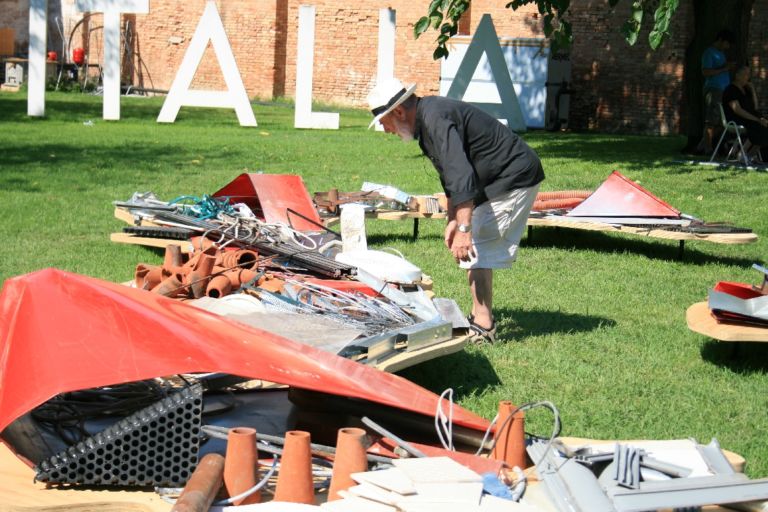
x: 740, y: 106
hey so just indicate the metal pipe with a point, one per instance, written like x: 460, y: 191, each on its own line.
x: 203, y: 485
x: 386, y: 433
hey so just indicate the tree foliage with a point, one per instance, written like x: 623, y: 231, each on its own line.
x: 444, y: 16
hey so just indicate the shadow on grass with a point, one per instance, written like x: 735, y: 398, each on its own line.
x: 541, y: 323
x: 467, y: 372
x: 405, y: 236
x: 658, y: 249
x: 470, y: 372
x: 744, y: 357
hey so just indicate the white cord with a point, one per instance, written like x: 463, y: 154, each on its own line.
x: 443, y: 423
x: 252, y: 490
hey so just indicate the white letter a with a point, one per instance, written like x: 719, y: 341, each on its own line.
x: 210, y: 28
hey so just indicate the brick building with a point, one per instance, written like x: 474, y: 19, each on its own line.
x: 615, y: 87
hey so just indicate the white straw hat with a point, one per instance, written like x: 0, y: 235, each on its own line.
x: 387, y: 95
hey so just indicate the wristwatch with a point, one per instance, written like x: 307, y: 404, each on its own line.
x: 465, y: 228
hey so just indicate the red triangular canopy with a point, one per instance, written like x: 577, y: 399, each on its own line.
x: 63, y: 332
x: 619, y: 196
x: 270, y: 196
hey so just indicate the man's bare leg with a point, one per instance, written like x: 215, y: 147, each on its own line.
x: 481, y: 287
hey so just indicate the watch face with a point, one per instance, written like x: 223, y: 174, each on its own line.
x: 464, y: 228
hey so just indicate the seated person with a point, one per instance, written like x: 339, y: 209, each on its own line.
x: 740, y: 106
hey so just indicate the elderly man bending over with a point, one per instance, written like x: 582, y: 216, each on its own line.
x: 488, y: 173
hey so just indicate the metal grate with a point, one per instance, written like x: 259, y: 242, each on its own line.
x: 156, y: 446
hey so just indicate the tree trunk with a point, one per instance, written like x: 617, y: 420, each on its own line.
x: 711, y: 16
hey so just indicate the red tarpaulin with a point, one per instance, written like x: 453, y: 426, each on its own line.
x: 63, y: 332
x: 619, y: 196
x: 270, y: 196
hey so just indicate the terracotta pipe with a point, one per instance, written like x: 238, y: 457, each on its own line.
x: 239, y: 276
x: 148, y: 276
x: 510, y: 439
x: 240, y: 464
x: 350, y: 458
x: 218, y: 287
x: 173, y: 258
x: 200, y: 243
x: 563, y: 194
x: 199, y: 278
x: 172, y: 286
x: 553, y: 204
x: 294, y: 482
x: 203, y: 485
x: 242, y: 258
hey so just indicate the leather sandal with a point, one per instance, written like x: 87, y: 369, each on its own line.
x: 480, y: 335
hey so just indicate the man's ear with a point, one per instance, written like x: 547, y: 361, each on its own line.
x: 399, y: 112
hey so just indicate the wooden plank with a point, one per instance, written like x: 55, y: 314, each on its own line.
x: 407, y: 359
x: 718, y: 238
x: 663, y: 234
x: 700, y: 320
x: 127, y: 238
x: 19, y: 493
x: 125, y: 216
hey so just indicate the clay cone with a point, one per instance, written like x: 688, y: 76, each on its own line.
x: 294, y: 482
x: 350, y: 458
x: 510, y: 438
x: 240, y: 464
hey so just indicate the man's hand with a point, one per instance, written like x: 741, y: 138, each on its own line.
x: 450, y: 231
x: 461, y: 247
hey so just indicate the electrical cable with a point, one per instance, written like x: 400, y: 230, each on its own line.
x: 261, y: 483
x: 443, y: 423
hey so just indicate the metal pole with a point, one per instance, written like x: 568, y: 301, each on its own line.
x: 203, y: 485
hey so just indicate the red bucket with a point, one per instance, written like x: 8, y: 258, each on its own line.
x: 78, y: 56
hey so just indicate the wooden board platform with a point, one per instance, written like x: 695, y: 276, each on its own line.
x: 406, y: 359
x: 700, y: 320
x: 19, y: 493
x: 162, y: 243
x: 663, y: 234
x: 718, y: 238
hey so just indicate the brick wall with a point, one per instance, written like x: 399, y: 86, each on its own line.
x: 617, y: 87
x: 758, y: 51
x: 14, y: 14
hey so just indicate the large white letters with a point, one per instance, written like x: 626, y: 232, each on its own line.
x: 303, y: 116
x: 486, y: 41
x: 38, y: 32
x: 112, y: 10
x: 210, y: 28
x: 386, y: 62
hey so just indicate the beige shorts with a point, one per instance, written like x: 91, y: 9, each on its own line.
x: 497, y: 226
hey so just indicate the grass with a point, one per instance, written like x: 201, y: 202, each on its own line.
x: 592, y: 322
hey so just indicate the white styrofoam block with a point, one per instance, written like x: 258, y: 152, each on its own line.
x: 436, y: 470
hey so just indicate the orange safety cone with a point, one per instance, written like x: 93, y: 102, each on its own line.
x: 240, y: 464
x: 350, y: 458
x: 510, y: 436
x: 294, y: 482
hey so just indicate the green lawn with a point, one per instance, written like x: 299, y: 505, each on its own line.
x: 592, y: 322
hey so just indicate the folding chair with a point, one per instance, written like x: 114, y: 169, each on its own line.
x: 735, y: 131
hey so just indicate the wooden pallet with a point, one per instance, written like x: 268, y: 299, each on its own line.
x: 700, y: 320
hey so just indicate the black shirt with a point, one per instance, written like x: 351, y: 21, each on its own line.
x: 475, y: 155
x: 745, y: 99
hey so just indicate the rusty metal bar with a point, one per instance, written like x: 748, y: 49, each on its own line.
x: 203, y: 485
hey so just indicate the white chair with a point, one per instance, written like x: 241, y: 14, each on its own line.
x: 735, y: 131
